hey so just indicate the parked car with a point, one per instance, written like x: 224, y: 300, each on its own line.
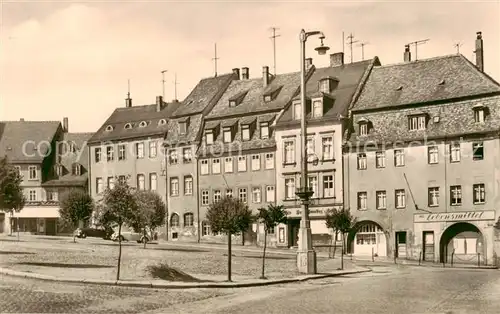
x: 94, y: 232
x: 131, y: 236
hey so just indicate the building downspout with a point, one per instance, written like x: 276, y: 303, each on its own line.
x: 89, y: 177
x: 198, y: 199
x: 167, y: 215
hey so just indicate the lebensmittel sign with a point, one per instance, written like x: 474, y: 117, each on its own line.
x: 456, y: 216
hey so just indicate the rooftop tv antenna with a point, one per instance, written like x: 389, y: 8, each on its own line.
x: 350, y: 42
x: 362, y: 45
x: 457, y: 46
x: 163, y: 82
x: 128, y: 89
x: 215, y: 58
x: 175, y: 86
x: 416, y: 43
x: 273, y: 38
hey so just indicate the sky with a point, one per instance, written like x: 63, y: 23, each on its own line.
x: 74, y: 58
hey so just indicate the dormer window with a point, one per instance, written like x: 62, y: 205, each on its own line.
x: 480, y: 112
x: 364, y: 125
x: 77, y: 170
x: 245, y: 132
x: 209, y: 137
x: 109, y: 128
x: 228, y: 135
x: 128, y: 126
x: 297, y: 111
x: 417, y: 122
x: 264, y: 130
x: 327, y: 85
x: 317, y: 108
x: 271, y: 95
x: 143, y: 124
x: 237, y: 99
x: 59, y: 170
x: 162, y: 122
x: 268, y: 98
x: 182, y: 128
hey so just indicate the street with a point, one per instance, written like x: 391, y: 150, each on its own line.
x: 388, y: 289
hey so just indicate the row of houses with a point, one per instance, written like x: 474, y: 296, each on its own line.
x: 409, y: 148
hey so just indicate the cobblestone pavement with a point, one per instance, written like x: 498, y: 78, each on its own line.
x: 387, y: 290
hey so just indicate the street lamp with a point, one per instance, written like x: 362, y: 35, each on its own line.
x: 306, y: 256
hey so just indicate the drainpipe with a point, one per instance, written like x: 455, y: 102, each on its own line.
x: 197, y: 198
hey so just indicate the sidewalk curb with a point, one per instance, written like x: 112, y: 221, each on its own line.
x: 367, y: 262
x: 124, y: 283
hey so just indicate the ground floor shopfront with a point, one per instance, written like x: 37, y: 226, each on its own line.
x: 43, y: 220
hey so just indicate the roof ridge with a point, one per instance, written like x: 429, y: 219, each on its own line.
x: 418, y: 61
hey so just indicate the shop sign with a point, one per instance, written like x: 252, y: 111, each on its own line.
x: 313, y: 212
x: 455, y: 216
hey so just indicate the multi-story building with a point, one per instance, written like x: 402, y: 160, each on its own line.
x: 237, y: 154
x: 329, y: 93
x: 51, y: 161
x: 181, y: 143
x: 129, y: 146
x: 421, y: 161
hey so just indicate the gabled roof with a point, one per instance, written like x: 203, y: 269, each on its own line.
x: 253, y: 101
x: 349, y: 77
x: 135, y: 115
x: 19, y: 139
x: 427, y: 80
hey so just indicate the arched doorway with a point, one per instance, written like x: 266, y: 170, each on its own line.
x: 366, y: 238
x: 464, y: 240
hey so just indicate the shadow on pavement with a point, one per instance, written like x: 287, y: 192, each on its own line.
x: 14, y: 253
x: 188, y: 250
x: 62, y: 265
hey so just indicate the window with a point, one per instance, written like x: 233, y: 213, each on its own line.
x: 327, y: 147
x: 182, y: 127
x: 455, y: 195
x: 174, y: 186
x: 380, y: 159
x: 269, y: 162
x: 289, y: 150
x: 153, y: 151
x: 153, y: 181
x: 228, y: 164
x: 188, y: 185
x: 216, y: 165
x: 264, y: 130
x: 97, y: 154
x: 139, y: 150
x: 122, y: 152
x: 479, y: 115
x: 297, y: 111
x: 328, y: 186
x: 381, y: 200
x: 227, y: 135
x: 174, y: 220
x: 479, y: 193
x: 270, y: 230
x: 245, y: 132
x: 18, y: 170
x: 188, y: 219
x: 204, y: 166
x: 270, y: 196
x: 255, y: 162
x: 256, y: 195
x: 205, y: 228
x: 434, y: 196
x: 432, y: 154
x: 399, y: 157
x: 111, y: 182
x: 173, y: 157
x: 122, y: 179
x: 363, y: 129
x: 128, y: 126
x: 162, y: 122
x: 361, y: 161
x: 242, y: 163
x: 416, y: 123
x: 324, y: 85
x: 204, y: 197
x: 98, y: 185
x: 455, y: 152
x: 317, y: 109
x: 140, y: 182
x: 242, y: 194
x: 362, y: 198
x: 32, y: 196
x: 313, y: 184
x: 478, y: 151
x: 33, y: 173
x: 217, y: 196
x: 310, y: 149
x: 209, y: 137
x: 110, y: 153
x: 400, y: 198
x: 76, y: 169
x: 187, y: 155
x: 52, y: 196
x: 290, y: 188
x: 229, y: 193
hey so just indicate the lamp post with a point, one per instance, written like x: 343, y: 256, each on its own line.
x: 306, y: 256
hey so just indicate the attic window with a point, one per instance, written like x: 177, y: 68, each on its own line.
x: 209, y: 137
x: 480, y: 112
x: 245, y: 132
x: 271, y: 95
x: 76, y: 170
x: 182, y: 127
x: 268, y: 98
x: 297, y: 111
x: 400, y: 87
x: 264, y: 130
x: 59, y: 170
x: 363, y: 126
x: 228, y: 134
x: 109, y: 128
x: 317, y: 109
x: 417, y: 122
x: 237, y: 99
x: 327, y: 85
x: 128, y: 126
x: 442, y: 82
x: 143, y: 124
x: 162, y: 122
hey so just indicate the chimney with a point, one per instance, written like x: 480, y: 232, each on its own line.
x: 337, y: 59
x: 407, y: 55
x: 159, y: 103
x: 479, y: 52
x: 309, y: 63
x: 65, y: 125
x: 237, y: 72
x: 245, y: 73
x: 22, y: 119
x: 265, y: 75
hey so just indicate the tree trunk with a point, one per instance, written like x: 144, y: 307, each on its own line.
x: 243, y: 238
x: 11, y: 222
x: 18, y: 229
x: 264, y: 255
x: 229, y: 257
x: 342, y: 254
x: 144, y: 238
x: 119, y: 251
x: 335, y: 243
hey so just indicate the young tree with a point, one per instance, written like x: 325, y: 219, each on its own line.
x: 76, y: 206
x: 229, y: 216
x: 150, y: 213
x: 270, y: 217
x: 12, y: 198
x: 118, y: 207
x: 340, y: 220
